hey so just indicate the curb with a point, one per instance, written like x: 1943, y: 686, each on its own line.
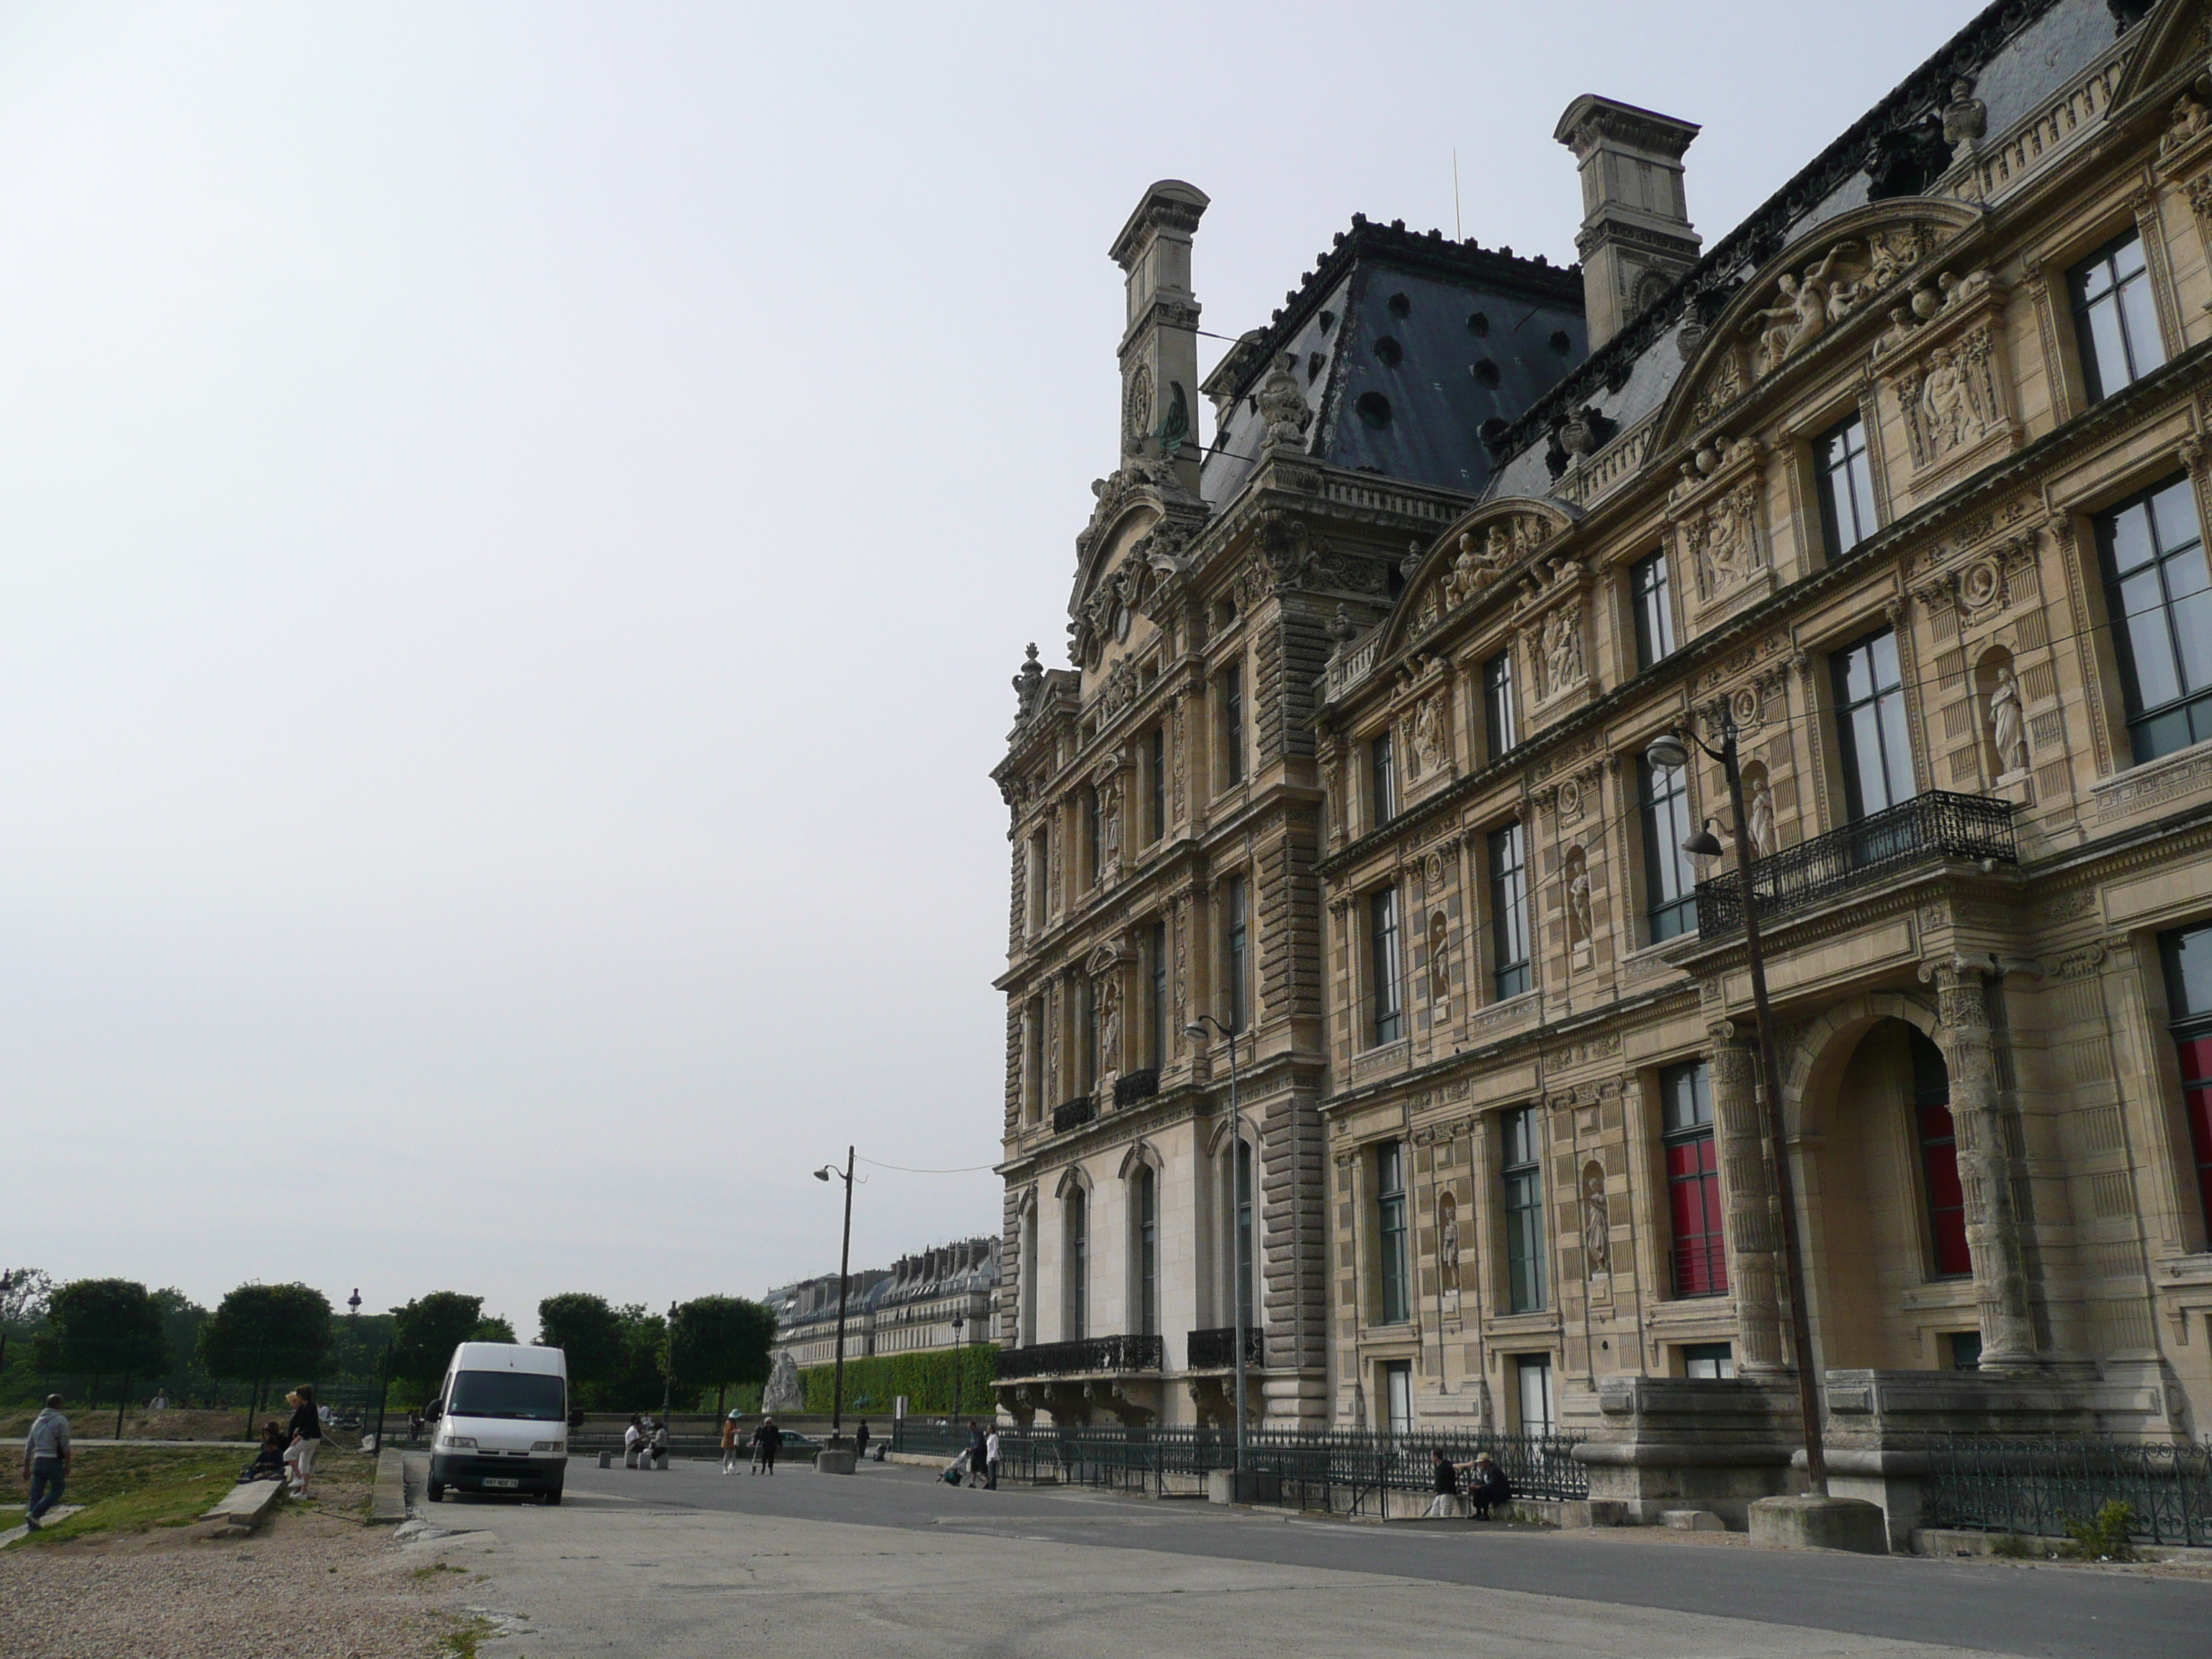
x: 387, y: 1500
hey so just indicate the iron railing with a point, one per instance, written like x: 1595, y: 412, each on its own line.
x: 1936, y: 826
x: 1216, y: 1350
x: 1073, y: 1114
x: 1316, y: 1468
x: 1133, y: 1086
x: 2038, y: 1486
x: 1084, y: 1356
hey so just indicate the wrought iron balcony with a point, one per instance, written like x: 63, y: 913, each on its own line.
x: 1086, y: 1357
x: 1936, y: 825
x: 1133, y: 1086
x: 1073, y: 1114
x: 1216, y: 1350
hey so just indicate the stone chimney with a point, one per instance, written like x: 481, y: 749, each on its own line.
x: 1159, y: 338
x: 1636, y: 237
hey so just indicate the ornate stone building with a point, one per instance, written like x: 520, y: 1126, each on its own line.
x: 908, y: 1309
x: 1902, y: 480
x: 1167, y: 811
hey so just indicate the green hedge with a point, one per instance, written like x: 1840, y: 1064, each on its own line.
x: 926, y: 1379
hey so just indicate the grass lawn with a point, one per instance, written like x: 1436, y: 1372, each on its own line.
x: 127, y: 1489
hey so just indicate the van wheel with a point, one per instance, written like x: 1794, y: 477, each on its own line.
x: 553, y: 1494
x: 437, y: 1491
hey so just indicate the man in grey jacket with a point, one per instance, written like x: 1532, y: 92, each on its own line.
x: 47, y: 1459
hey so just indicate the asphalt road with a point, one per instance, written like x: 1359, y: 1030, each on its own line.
x: 691, y: 1560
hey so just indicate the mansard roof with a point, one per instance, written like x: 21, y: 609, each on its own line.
x: 1408, y: 347
x: 2015, y: 53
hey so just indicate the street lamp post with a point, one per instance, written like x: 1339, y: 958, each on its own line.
x: 668, y: 1370
x: 1196, y: 1032
x: 1668, y: 751
x: 6, y: 1288
x: 844, y: 1265
x: 958, y: 1354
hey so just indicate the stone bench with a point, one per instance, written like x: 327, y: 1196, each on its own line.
x: 246, y: 1504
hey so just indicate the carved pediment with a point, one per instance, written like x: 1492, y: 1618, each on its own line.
x: 1473, y: 559
x: 2170, y: 50
x: 1816, y: 291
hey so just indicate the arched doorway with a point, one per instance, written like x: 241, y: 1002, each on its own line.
x: 1885, y: 1212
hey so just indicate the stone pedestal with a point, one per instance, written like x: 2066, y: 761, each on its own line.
x: 835, y: 1461
x: 1227, y: 1487
x: 1671, y: 1442
x: 1807, y: 1522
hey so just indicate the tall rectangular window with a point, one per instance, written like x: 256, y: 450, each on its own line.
x: 1693, y: 1181
x: 1384, y: 957
x: 1236, y: 964
x: 1870, y: 722
x: 1033, y: 1064
x: 1652, y: 599
x: 1155, y: 1015
x: 1540, y: 1412
x: 1086, y: 1016
x: 2188, y: 956
x: 1522, y: 1154
x: 1398, y: 1394
x: 1040, y: 852
x: 1508, y: 912
x: 2159, y: 600
x: 1501, y: 719
x: 1159, y: 783
x: 1846, y: 485
x: 1939, y: 1161
x: 1245, y: 1299
x: 1382, y: 782
x: 1232, y: 724
x: 1395, y: 1304
x: 1669, y: 878
x: 1145, y: 1214
x: 1075, y: 1266
x: 1093, y: 848
x: 2114, y: 320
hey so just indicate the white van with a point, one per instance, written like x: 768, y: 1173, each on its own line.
x: 503, y: 1421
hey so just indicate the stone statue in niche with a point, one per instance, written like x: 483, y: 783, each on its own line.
x: 1597, y: 1219
x: 1580, y: 930
x: 1428, y: 736
x: 1562, y: 649
x: 1109, y: 828
x: 1448, y: 1244
x: 2008, y: 726
x: 1439, y: 960
x: 1946, y: 404
x: 1109, y: 1025
x: 1761, y: 807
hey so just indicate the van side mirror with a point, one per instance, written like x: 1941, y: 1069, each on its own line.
x: 434, y: 1411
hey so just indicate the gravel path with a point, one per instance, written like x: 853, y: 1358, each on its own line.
x: 313, y: 1586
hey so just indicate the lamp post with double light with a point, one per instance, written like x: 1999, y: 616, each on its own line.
x: 844, y: 1263
x: 1196, y: 1032
x: 1670, y: 752
x: 959, y: 1353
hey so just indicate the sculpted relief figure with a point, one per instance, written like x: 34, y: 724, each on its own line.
x: 2008, y: 728
x: 1439, y: 958
x: 1562, y: 649
x: 1597, y: 1218
x: 1804, y: 307
x: 1580, y: 930
x: 1109, y: 1025
x: 1428, y: 737
x: 1448, y: 1244
x: 1109, y: 827
x: 1761, y: 810
x: 1947, y: 406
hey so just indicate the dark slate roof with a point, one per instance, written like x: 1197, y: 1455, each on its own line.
x: 1406, y: 345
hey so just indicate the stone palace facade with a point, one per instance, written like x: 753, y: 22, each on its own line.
x: 908, y: 1308
x: 1902, y: 481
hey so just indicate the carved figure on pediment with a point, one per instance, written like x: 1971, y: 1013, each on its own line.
x: 1760, y: 808
x: 1562, y: 649
x: 1428, y: 736
x: 1282, y: 404
x: 2186, y: 124
x: 1806, y: 305
x: 1476, y: 565
x: 2008, y: 724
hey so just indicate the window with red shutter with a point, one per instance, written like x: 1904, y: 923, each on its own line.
x: 1693, y: 1181
x: 1939, y: 1161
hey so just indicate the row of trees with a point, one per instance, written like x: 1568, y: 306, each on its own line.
x: 117, y: 1331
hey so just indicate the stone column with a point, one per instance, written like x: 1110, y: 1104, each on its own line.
x: 1993, y: 1239
x: 1752, y: 1258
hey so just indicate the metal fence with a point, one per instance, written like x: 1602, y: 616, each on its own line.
x: 2038, y: 1486
x: 1317, y: 1468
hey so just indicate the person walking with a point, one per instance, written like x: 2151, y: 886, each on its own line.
x: 307, y: 1431
x: 1445, y: 1505
x: 991, y: 1458
x: 767, y: 1439
x: 861, y: 1442
x: 730, y: 1442
x: 48, y: 1460
x: 978, y: 1468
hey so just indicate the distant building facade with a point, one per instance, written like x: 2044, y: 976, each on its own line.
x: 909, y: 1308
x: 1902, y: 481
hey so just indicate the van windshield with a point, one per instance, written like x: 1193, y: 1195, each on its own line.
x: 532, y: 1395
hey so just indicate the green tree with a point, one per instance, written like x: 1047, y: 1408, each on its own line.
x: 103, y: 1327
x: 426, y: 1332
x: 22, y: 1310
x: 640, y: 1383
x: 591, y: 1334
x: 494, y: 1329
x: 181, y: 1319
x: 720, y: 1341
x: 258, y: 1332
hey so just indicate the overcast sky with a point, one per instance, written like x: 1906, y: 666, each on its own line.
x: 518, y: 523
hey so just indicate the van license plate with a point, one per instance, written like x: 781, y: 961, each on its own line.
x: 501, y: 1481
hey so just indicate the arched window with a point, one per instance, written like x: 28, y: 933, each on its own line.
x: 1939, y: 1161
